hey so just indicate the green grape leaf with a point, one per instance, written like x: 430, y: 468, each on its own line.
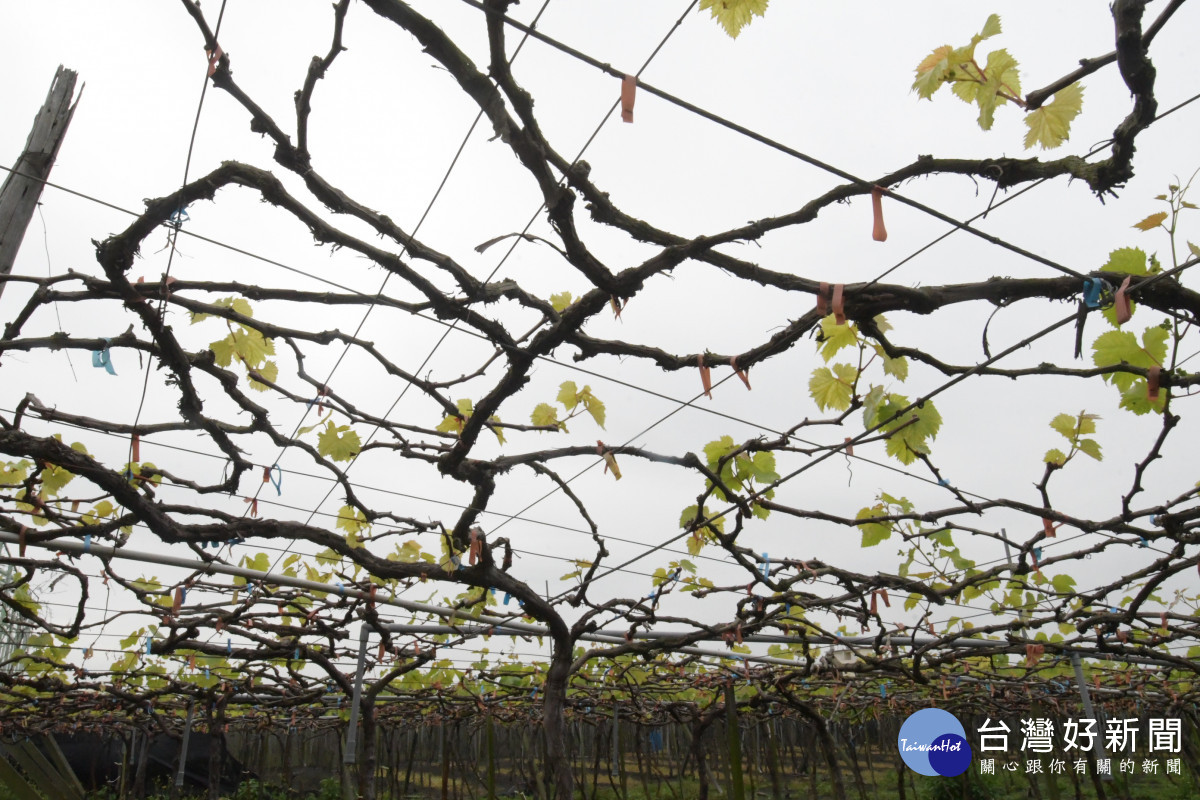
x: 592, y: 405
x: 223, y: 350
x: 408, y: 553
x: 1064, y: 424
x: 1130, y: 260
x: 834, y: 337
x: 906, y: 506
x: 932, y: 71
x: 54, y: 479
x: 734, y: 14
x: 966, y: 90
x: 691, y: 515
x: 268, y: 371
x: 1063, y: 584
x: 352, y: 520
x: 910, y: 431
x: 568, y: 395
x: 717, y: 449
x: 833, y: 388
x: 146, y: 472
x: 454, y: 424
x: 259, y: 561
x: 1151, y: 222
x: 1135, y: 398
x: 239, y: 305
x: 546, y: 414
x: 871, y: 402
x: 251, y: 346
x: 1092, y: 448
x: 874, y: 532
x: 763, y: 467
x: 101, y: 510
x: 1050, y: 125
x: 1002, y: 74
x: 990, y: 28
x: 14, y: 473
x: 759, y: 510
x: 896, y: 367
x: 1116, y: 347
x: 1154, y: 341
x: 561, y: 301
x: 495, y: 428
x: 1055, y: 456
x: 340, y: 443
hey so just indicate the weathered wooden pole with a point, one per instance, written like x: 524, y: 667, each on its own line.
x: 23, y: 186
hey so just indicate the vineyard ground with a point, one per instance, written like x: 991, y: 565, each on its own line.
x: 871, y: 778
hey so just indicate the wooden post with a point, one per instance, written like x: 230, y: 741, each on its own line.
x: 19, y: 194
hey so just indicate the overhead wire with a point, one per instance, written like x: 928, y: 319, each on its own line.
x: 768, y: 141
x: 1164, y: 114
x: 643, y: 389
x: 425, y: 214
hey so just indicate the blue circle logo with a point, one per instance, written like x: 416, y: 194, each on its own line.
x: 933, y: 742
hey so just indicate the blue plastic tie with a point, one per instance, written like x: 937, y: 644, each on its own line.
x: 883, y: 690
x: 229, y: 647
x: 506, y: 598
x: 297, y: 654
x: 943, y: 482
x: 1091, y: 292
x: 102, y: 359
x: 87, y: 543
x: 276, y: 482
x: 179, y: 216
x: 1145, y: 543
x: 341, y: 588
x: 206, y: 673
x: 1037, y: 553
x: 149, y: 641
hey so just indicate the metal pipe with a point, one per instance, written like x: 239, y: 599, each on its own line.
x: 183, y: 747
x: 351, y: 754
